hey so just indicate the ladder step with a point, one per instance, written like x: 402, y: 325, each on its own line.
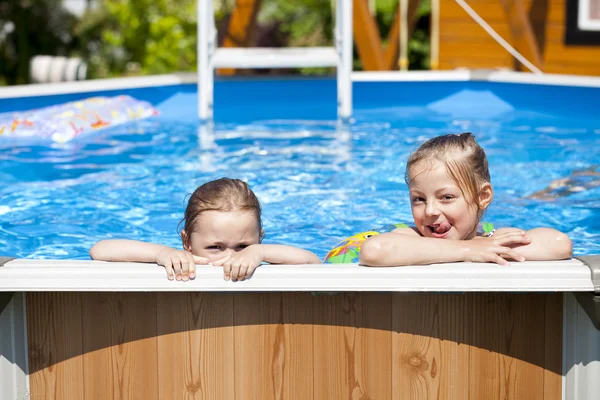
x: 275, y: 57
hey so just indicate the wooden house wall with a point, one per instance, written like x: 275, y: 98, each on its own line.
x: 463, y: 43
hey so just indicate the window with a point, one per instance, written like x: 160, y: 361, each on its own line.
x: 583, y: 22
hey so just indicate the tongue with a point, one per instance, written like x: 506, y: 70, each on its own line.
x: 442, y: 228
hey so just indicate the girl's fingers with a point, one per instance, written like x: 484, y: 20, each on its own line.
x: 507, y: 252
x: 185, y: 268
x: 499, y: 260
x: 177, y: 268
x: 235, y: 271
x: 243, y: 273
x: 200, y: 260
x: 192, y: 265
x: 169, y: 268
x: 226, y: 271
x: 220, y: 261
x: 250, y: 270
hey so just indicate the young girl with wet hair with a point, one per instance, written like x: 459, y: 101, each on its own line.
x: 450, y: 190
x: 222, y: 227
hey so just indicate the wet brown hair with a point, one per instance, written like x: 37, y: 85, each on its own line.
x: 463, y: 157
x: 223, y: 194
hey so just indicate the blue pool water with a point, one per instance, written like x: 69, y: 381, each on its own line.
x: 318, y: 182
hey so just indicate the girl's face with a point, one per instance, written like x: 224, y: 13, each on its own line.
x: 439, y: 207
x: 218, y: 234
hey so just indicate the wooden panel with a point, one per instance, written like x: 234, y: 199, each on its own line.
x: 493, y: 11
x: 498, y: 61
x: 513, y: 368
x: 55, y: 347
x: 351, y: 362
x: 273, y: 346
x: 522, y: 35
x: 579, y: 54
x: 570, y: 69
x: 470, y: 31
x: 119, y: 342
x: 240, y: 27
x: 195, y: 345
x: 438, y: 338
x: 430, y: 346
x: 294, y: 345
x: 455, y: 36
x: 367, y: 37
x: 553, y: 340
x: 478, y: 50
x: 490, y: 11
x: 463, y: 43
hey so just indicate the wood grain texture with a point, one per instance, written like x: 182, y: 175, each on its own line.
x: 523, y: 36
x: 430, y: 350
x: 416, y: 357
x: 352, y: 341
x: 273, y: 346
x: 552, y: 344
x: 195, y: 346
x: 367, y: 37
x: 295, y: 346
x: 119, y: 344
x: 504, y: 363
x: 455, y: 315
x: 240, y: 28
x: 535, y: 27
x: 55, y: 347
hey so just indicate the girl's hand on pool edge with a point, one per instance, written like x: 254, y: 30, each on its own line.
x: 497, y: 249
x: 179, y: 263
x: 241, y: 265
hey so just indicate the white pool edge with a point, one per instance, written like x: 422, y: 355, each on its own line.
x: 478, y: 75
x: 95, y: 85
x: 23, y: 275
x: 458, y: 75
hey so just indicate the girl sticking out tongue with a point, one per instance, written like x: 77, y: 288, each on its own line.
x: 450, y: 190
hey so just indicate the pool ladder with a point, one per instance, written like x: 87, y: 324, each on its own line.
x: 210, y: 57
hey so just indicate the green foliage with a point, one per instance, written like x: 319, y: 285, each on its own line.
x: 306, y: 23
x: 124, y: 37
x: 29, y: 28
x: 145, y: 36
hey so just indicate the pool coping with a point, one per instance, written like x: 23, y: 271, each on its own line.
x: 458, y: 75
x: 24, y: 275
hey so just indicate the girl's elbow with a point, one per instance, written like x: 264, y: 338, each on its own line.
x: 97, y: 252
x: 370, y: 253
x: 314, y: 259
x: 94, y: 252
x: 564, y: 246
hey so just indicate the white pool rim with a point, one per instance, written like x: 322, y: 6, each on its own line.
x: 459, y: 75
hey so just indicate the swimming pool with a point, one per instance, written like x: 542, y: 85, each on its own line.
x: 318, y: 182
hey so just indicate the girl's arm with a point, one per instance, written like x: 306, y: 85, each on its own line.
x: 282, y: 254
x: 546, y: 244
x: 179, y: 263
x: 406, y: 247
x: 126, y: 251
